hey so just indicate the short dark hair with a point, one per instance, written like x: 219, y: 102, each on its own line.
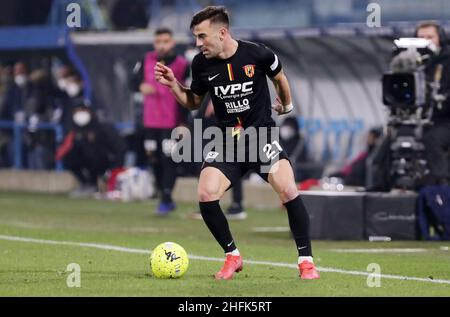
x: 377, y: 132
x: 163, y: 30
x: 439, y: 30
x: 215, y: 14
x: 427, y: 24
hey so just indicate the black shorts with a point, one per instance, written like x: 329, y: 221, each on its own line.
x: 256, y: 151
x: 158, y: 141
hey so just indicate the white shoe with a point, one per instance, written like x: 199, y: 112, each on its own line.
x: 236, y: 212
x: 236, y: 216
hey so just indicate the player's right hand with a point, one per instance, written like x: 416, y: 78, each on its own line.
x: 164, y: 75
x: 278, y: 106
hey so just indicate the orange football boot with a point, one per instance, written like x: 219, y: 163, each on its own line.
x: 233, y: 263
x: 308, y: 271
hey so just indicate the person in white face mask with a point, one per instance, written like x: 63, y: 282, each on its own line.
x: 20, y: 80
x: 62, y: 74
x: 291, y: 139
x: 82, y: 118
x: 90, y: 149
x: 18, y: 95
x: 292, y: 142
x: 5, y: 138
x: 20, y: 74
x: 39, y: 142
x: 69, y: 93
x: 73, y: 86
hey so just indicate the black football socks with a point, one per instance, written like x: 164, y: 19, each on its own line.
x: 218, y: 225
x: 299, y: 223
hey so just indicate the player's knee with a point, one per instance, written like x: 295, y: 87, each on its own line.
x: 288, y: 193
x: 207, y: 194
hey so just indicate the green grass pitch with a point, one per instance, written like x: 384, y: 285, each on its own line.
x: 37, y: 266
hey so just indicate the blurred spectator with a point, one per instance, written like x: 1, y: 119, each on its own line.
x: 5, y: 80
x: 74, y: 86
x: 69, y: 94
x: 5, y: 137
x: 18, y: 98
x: 354, y: 173
x: 18, y: 95
x: 161, y: 113
x: 31, y: 98
x: 40, y: 144
x: 437, y: 136
x: 291, y: 140
x: 295, y: 146
x: 90, y: 149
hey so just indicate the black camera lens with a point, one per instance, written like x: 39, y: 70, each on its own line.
x: 398, y: 89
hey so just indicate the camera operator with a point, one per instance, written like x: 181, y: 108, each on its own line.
x: 437, y: 136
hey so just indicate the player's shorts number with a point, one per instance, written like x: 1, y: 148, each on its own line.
x: 272, y: 152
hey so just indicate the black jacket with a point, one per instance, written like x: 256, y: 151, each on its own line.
x: 100, y: 141
x: 443, y: 114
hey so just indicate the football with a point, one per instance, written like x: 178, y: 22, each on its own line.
x: 169, y: 260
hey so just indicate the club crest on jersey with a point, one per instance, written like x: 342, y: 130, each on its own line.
x: 249, y: 70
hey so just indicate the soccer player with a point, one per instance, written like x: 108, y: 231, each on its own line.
x: 234, y: 73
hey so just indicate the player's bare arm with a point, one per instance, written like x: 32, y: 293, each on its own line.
x: 164, y: 75
x: 283, y: 102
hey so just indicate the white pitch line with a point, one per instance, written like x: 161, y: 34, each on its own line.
x: 76, y: 244
x: 203, y: 258
x: 381, y: 250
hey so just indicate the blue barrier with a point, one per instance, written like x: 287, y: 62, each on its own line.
x: 355, y: 127
x: 17, y: 129
x: 121, y: 126
x: 334, y: 129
